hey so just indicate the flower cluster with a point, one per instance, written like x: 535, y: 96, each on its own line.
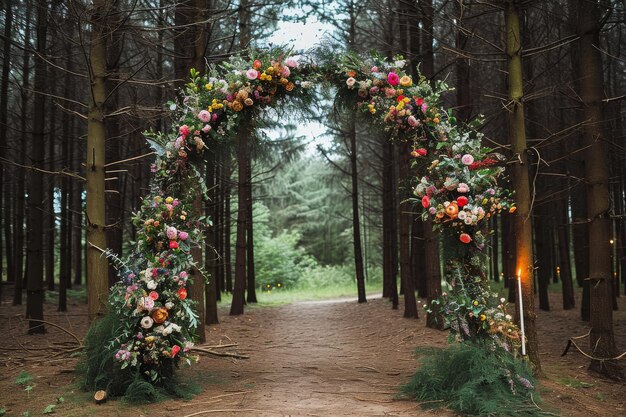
x: 457, y: 186
x: 152, y: 295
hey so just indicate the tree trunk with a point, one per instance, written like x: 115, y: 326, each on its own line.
x: 34, y: 248
x: 18, y: 213
x: 602, y: 338
x: 522, y: 217
x: 390, y: 248
x: 356, y: 221
x: 543, y: 247
x: 228, y: 267
x: 5, y: 216
x: 432, y: 273
x: 240, y: 252
x: 567, y: 285
x: 463, y: 71
x: 210, y: 254
x: 404, y: 224
x: 251, y: 275
x: 49, y: 209
x: 97, y: 265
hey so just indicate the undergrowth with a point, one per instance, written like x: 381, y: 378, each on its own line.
x: 473, y: 380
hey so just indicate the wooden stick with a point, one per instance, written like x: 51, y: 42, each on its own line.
x: 227, y: 354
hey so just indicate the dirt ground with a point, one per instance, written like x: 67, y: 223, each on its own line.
x: 330, y: 358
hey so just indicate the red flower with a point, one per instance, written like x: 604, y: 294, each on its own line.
x: 175, y: 350
x: 421, y: 151
x: 425, y: 201
x: 173, y: 244
x: 462, y: 201
x: 182, y: 293
x: 465, y: 238
x: 154, y: 295
x: 257, y: 64
x: 400, y: 98
x: 419, y: 101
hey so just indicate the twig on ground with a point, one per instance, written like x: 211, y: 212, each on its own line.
x: 224, y: 410
x: 80, y: 343
x: 214, y: 353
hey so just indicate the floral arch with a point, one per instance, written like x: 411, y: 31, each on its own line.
x: 150, y: 327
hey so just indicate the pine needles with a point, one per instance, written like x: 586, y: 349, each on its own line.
x: 474, y: 380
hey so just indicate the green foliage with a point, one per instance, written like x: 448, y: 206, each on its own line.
x: 50, y: 408
x: 474, y: 379
x: 23, y: 378
x: 3, y: 411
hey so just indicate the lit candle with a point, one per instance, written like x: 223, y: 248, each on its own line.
x: 521, y: 310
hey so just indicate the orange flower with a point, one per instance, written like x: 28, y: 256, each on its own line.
x: 452, y: 210
x: 160, y: 315
x: 237, y: 106
x: 351, y: 73
x: 289, y: 86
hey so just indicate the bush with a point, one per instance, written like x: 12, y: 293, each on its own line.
x: 472, y: 379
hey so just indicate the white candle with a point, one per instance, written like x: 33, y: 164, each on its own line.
x: 521, y: 310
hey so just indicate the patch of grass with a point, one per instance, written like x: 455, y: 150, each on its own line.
x: 292, y: 295
x: 23, y: 378
x: 574, y: 383
x: 73, y: 295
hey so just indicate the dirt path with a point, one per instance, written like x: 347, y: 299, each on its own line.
x: 329, y: 358
x: 320, y: 359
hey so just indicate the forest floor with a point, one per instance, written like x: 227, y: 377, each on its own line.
x: 321, y: 358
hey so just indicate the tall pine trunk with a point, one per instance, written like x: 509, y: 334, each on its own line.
x: 251, y: 274
x: 5, y: 217
x: 356, y: 221
x: 602, y: 338
x: 521, y: 185
x: 238, y: 301
x: 405, y: 219
x: 97, y: 265
x: 34, y: 246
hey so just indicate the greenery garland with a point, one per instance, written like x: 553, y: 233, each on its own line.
x: 458, y: 191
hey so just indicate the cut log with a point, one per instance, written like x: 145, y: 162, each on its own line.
x: 100, y: 396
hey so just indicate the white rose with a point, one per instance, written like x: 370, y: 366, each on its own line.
x: 151, y: 284
x: 169, y: 305
x: 400, y: 63
x: 146, y: 322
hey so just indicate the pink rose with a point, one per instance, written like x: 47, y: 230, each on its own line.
x: 183, y: 235
x: 467, y: 159
x: 184, y: 130
x: 286, y: 72
x: 424, y: 107
x: 204, y: 116
x: 390, y: 92
x: 171, y: 233
x: 373, y: 91
x: 252, y: 74
x: 413, y: 121
x: 291, y: 63
x: 393, y: 79
x: 206, y: 128
x: 374, y: 69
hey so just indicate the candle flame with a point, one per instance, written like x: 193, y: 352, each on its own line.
x: 519, y: 273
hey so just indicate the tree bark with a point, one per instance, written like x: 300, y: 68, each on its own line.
x: 34, y: 248
x: 238, y: 301
x: 18, y: 214
x: 569, y: 300
x: 356, y: 221
x: 210, y: 254
x: 251, y: 275
x: 404, y: 224
x: 602, y: 338
x: 522, y: 217
x: 97, y: 265
x: 5, y: 216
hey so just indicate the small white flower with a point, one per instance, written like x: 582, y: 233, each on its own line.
x: 508, y: 317
x: 173, y: 106
x: 169, y: 305
x: 151, y: 284
x: 306, y: 84
x: 159, y: 329
x: 400, y: 63
x: 146, y: 322
x: 502, y: 300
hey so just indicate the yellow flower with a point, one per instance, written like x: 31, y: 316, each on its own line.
x: 263, y: 76
x: 485, y: 201
x: 209, y: 87
x: 475, y: 302
x: 210, y: 109
x: 169, y: 200
x: 270, y: 70
x: 436, y: 120
x: 269, y: 78
x: 406, y: 100
x: 483, y: 317
x: 406, y: 81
